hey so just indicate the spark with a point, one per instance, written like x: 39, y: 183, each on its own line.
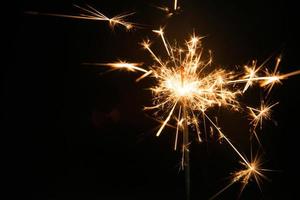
x: 266, y: 80
x: 131, y: 67
x: 258, y: 115
x: 146, y: 44
x: 170, y: 10
x: 90, y: 13
x: 161, y: 33
x: 165, y: 9
x: 252, y: 170
x: 175, y: 4
x: 166, y: 121
x: 250, y: 73
x: 123, y: 65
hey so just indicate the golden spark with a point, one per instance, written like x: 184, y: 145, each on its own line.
x: 258, y: 115
x: 90, y: 13
x: 132, y: 67
x: 251, y: 171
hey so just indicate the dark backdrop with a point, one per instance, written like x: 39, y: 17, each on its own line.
x: 80, y: 133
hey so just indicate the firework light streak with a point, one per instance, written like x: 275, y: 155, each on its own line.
x: 90, y: 13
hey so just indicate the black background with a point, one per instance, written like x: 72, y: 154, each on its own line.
x: 80, y: 133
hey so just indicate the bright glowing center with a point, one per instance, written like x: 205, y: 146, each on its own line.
x: 182, y: 88
x: 252, y: 166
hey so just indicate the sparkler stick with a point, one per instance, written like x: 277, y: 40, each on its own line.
x: 185, y: 132
x: 185, y: 149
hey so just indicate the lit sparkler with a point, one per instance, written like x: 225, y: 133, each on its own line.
x: 90, y: 13
x: 187, y: 86
x: 189, y: 83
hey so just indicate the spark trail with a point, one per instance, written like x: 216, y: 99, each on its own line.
x: 90, y: 13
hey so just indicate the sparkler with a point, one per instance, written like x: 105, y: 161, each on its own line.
x: 90, y: 13
x: 187, y: 86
